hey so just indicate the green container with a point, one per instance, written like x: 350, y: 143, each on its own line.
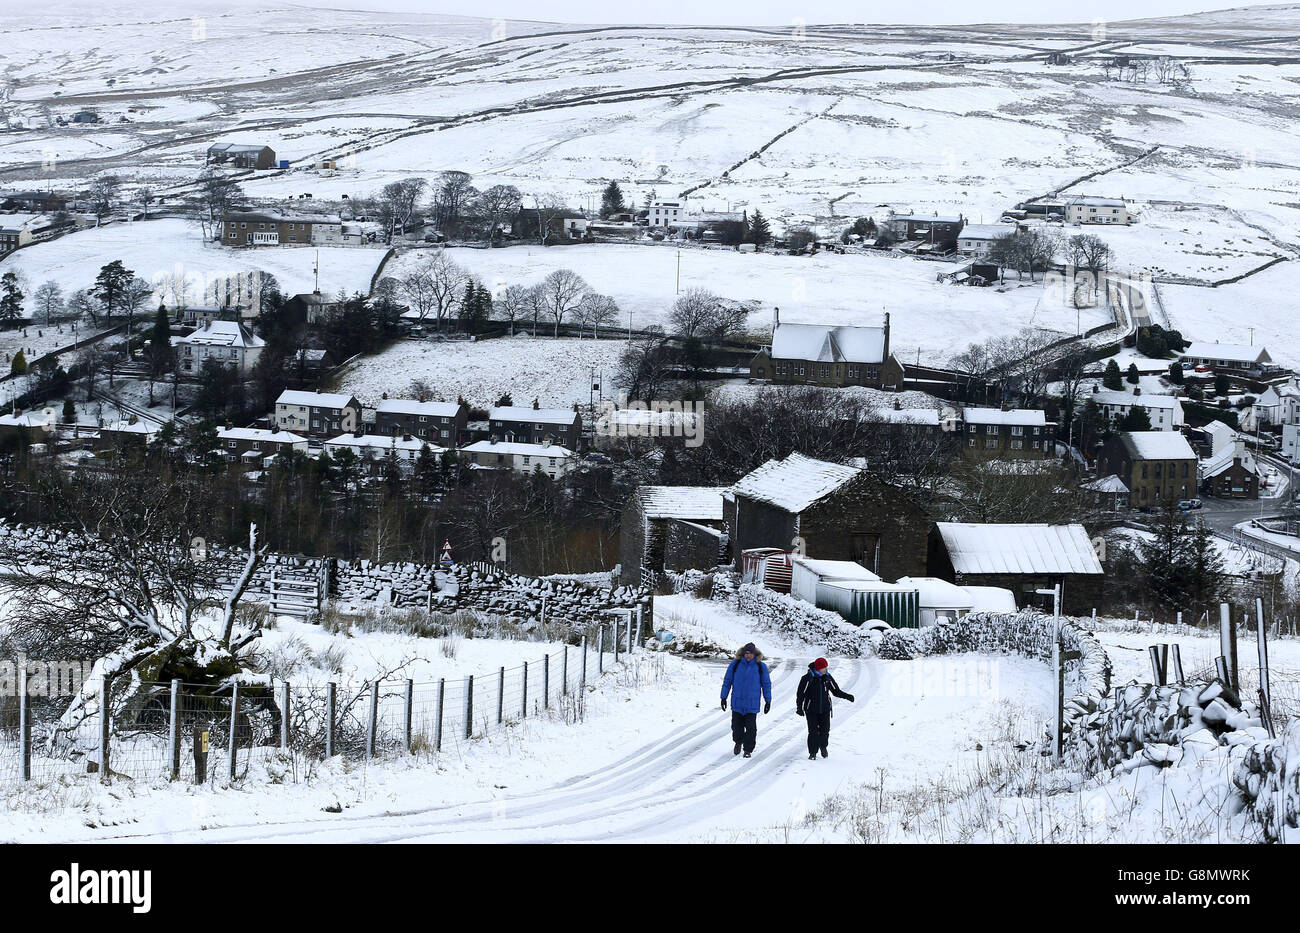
x: 858, y: 602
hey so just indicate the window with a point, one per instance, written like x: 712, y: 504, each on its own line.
x: 231, y: 444
x: 990, y: 443
x: 970, y: 428
x: 1017, y: 431
x: 1017, y: 445
x: 971, y: 442
x: 991, y: 429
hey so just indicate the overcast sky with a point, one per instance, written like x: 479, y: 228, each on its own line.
x: 774, y: 12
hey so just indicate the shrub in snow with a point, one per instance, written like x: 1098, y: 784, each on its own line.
x: 782, y: 613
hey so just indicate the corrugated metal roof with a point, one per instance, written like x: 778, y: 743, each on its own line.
x: 795, y: 483
x: 1018, y: 548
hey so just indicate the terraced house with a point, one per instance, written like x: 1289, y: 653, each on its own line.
x: 442, y: 423
x: 319, y: 414
x: 1023, y: 434
x: 280, y: 228
x: 826, y: 355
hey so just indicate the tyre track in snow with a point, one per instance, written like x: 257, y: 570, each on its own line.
x: 677, y: 782
x: 621, y: 770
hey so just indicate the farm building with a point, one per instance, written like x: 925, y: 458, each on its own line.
x: 1022, y: 558
x: 671, y: 528
x: 828, y: 511
x: 241, y: 156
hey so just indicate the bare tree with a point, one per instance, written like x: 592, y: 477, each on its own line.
x: 103, y: 192
x: 452, y: 193
x: 217, y: 195
x: 49, y: 300
x: 514, y: 303
x: 1091, y: 253
x: 562, y: 292
x: 397, y: 203
x: 693, y: 312
x: 435, y: 286
x: 595, y: 310
x: 498, y: 202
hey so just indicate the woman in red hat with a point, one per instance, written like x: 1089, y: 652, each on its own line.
x: 814, y: 702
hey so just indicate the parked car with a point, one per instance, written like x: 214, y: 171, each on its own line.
x: 1187, y: 505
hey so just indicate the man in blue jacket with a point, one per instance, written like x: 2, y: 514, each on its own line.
x: 747, y: 681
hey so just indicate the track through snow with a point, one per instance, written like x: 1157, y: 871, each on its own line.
x: 683, y: 780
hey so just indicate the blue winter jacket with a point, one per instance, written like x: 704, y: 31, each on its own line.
x: 748, y: 683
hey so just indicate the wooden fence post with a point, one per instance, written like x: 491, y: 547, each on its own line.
x: 105, y: 726
x: 523, y: 703
x: 24, y: 721
x: 616, y: 641
x: 373, y: 729
x: 331, y: 713
x: 408, y: 712
x: 469, y: 706
x: 1178, y: 664
x: 234, y: 724
x: 583, y: 683
x: 437, y: 725
x: 546, y: 681
x: 174, y: 729
x: 564, y: 672
x: 501, y: 695
x: 285, y: 700
x: 600, y: 649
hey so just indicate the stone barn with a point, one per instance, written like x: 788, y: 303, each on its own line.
x: 671, y: 528
x: 828, y: 511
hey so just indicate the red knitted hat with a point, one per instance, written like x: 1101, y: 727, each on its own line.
x: 821, y: 664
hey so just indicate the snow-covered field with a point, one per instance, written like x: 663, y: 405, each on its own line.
x: 158, y: 250
x: 557, y: 372
x: 826, y: 288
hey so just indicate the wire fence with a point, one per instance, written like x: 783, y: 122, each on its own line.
x: 277, y: 732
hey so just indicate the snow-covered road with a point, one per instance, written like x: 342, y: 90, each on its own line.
x: 685, y: 784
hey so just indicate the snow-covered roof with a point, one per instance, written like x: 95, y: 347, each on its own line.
x: 1088, y: 201
x: 1222, y: 437
x: 795, y: 483
x: 1158, y: 445
x: 1233, y: 353
x: 701, y: 503
x: 1021, y: 416
x: 535, y: 415
x: 131, y: 427
x: 223, y: 334
x: 410, y: 406
x: 235, y: 147
x: 835, y: 569
x: 985, y: 231
x: 1214, y: 465
x: 380, y: 442
x: 1018, y: 548
x: 828, y: 344
x: 931, y: 218
x: 936, y: 593
x: 1110, y: 483
x: 922, y: 416
x: 525, y: 450
x: 1118, y: 397
x: 645, y: 417
x: 283, y: 216
x: 28, y: 419
x: 991, y: 599
x: 315, y: 399
x: 260, y: 434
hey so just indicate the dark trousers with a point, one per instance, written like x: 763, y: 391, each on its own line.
x: 744, y: 729
x: 819, y: 730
